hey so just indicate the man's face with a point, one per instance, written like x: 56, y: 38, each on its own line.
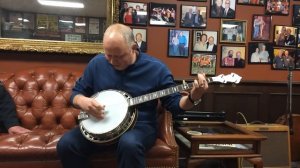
x: 118, y: 53
x: 227, y: 4
x: 230, y: 53
x: 219, y: 3
x: 286, y: 53
x: 138, y: 37
x: 280, y: 53
x: 211, y: 40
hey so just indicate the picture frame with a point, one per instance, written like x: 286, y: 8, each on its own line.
x: 140, y: 37
x: 133, y: 13
x: 193, y: 16
x: 233, y: 56
x: 260, y: 52
x: 29, y: 24
x: 261, y: 27
x: 194, y: 0
x: 73, y: 37
x: 157, y: 16
x: 66, y: 24
x: 297, y: 60
x: 227, y: 9
x: 178, y: 43
x: 296, y: 15
x: 80, y: 25
x: 203, y: 63
x: 47, y: 27
x: 233, y: 31
x: 251, y: 2
x: 283, y: 58
x: 94, y: 26
x: 298, y: 39
x: 285, y: 36
x: 15, y: 22
x: 277, y: 7
x: 205, y: 41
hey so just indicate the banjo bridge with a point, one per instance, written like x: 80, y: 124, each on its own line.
x: 83, y: 116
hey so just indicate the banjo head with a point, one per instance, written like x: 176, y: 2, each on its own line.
x: 116, y: 108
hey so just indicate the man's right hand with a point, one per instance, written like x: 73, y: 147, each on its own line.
x: 89, y: 105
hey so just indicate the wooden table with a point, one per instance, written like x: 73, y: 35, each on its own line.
x: 221, y: 140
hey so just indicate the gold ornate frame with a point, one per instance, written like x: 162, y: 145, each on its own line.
x: 62, y: 46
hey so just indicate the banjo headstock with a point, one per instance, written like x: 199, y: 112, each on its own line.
x: 229, y: 78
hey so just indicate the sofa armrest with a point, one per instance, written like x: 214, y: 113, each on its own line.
x: 4, y: 76
x: 166, y: 133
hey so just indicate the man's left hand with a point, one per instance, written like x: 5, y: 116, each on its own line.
x: 200, y: 85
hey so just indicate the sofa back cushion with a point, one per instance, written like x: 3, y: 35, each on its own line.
x: 42, y: 97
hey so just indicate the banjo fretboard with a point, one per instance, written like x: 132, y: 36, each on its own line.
x: 162, y: 93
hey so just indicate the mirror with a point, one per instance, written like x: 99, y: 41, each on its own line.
x: 107, y: 10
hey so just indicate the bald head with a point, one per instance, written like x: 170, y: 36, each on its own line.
x: 119, y: 46
x: 120, y: 33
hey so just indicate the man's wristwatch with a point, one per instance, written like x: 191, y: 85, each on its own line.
x: 195, y: 102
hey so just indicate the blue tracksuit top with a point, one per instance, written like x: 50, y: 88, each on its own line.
x: 146, y: 75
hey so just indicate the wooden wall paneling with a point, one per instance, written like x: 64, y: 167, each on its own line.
x: 232, y: 103
x: 278, y: 106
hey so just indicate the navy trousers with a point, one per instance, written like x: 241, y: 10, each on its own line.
x: 74, y: 149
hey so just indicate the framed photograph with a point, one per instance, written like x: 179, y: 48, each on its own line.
x: 140, y: 36
x: 205, y: 41
x: 178, y: 43
x: 233, y: 31
x: 66, y: 24
x: 194, y: 0
x: 222, y: 9
x: 80, y: 25
x: 277, y: 7
x: 203, y: 63
x: 297, y: 60
x: 261, y: 27
x: 193, y: 16
x: 251, y: 2
x: 285, y: 36
x: 73, y: 37
x: 233, y: 56
x: 94, y: 26
x: 298, y: 39
x: 133, y: 13
x: 296, y: 15
x: 162, y: 14
x: 47, y: 23
x: 16, y: 23
x: 28, y: 21
x: 283, y: 58
x: 260, y: 52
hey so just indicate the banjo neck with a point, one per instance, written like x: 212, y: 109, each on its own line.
x: 234, y: 78
x: 159, y: 94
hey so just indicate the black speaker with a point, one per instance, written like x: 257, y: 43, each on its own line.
x: 276, y: 149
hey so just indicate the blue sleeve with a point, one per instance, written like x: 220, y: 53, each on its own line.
x: 84, y: 85
x: 8, y: 113
x: 171, y: 102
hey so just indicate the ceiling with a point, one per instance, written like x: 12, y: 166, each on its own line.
x: 93, y: 8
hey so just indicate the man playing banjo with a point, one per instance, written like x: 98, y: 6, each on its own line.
x: 123, y: 67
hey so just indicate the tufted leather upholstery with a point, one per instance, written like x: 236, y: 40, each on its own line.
x: 42, y: 101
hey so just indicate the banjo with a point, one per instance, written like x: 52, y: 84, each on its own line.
x: 120, y: 114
